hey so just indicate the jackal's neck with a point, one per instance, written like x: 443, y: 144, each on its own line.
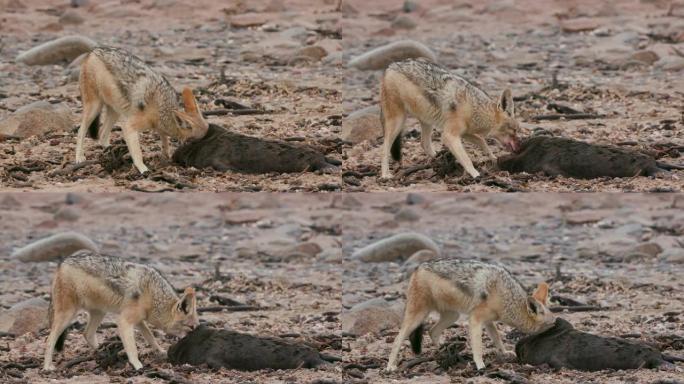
x: 484, y: 117
x: 162, y: 293
x: 514, y: 299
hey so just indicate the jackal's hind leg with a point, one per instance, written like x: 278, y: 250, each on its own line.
x: 416, y: 311
x: 91, y: 110
x: 111, y: 117
x: 394, y: 125
x: 61, y: 319
x: 446, y: 319
x: 426, y: 139
x: 94, y: 319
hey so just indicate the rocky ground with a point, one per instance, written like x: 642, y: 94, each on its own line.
x: 280, y: 58
x: 622, y: 61
x: 623, y: 253
x: 279, y: 253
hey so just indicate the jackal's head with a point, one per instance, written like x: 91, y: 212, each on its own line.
x: 183, y: 317
x: 507, y: 128
x: 191, y: 122
x: 540, y: 318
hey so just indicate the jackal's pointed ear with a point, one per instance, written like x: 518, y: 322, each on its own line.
x: 506, y: 102
x: 541, y: 294
x: 186, y: 303
x: 189, y: 102
x: 533, y: 306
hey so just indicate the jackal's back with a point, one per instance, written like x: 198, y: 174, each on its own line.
x: 438, y: 82
x: 122, y: 277
x: 474, y: 277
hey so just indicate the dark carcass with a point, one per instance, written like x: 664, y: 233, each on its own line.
x: 233, y: 350
x: 563, y: 346
x: 558, y: 156
x: 224, y: 150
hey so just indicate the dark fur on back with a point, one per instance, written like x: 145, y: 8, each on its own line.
x: 416, y: 339
x: 558, y: 156
x: 224, y: 150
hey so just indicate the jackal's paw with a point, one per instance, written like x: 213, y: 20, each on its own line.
x: 80, y: 159
x: 391, y: 368
x: 479, y: 365
x: 143, y: 170
x: 137, y: 365
x: 48, y: 367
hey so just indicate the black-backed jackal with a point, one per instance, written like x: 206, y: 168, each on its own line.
x: 485, y: 293
x: 441, y: 99
x: 119, y: 84
x: 99, y: 284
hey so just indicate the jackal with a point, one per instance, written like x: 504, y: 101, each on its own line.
x: 441, y: 99
x: 123, y: 85
x: 484, y: 292
x: 100, y: 284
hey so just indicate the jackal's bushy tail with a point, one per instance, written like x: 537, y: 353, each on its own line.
x: 94, y: 128
x: 416, y: 338
x: 396, y: 148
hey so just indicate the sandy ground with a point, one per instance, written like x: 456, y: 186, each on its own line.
x: 186, y: 236
x: 193, y: 45
x: 520, y: 44
x: 532, y: 235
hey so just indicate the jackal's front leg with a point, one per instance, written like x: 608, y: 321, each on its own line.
x: 149, y: 337
x: 130, y: 133
x: 127, y: 334
x: 475, y: 331
x: 481, y: 143
x: 455, y: 145
x: 493, y: 333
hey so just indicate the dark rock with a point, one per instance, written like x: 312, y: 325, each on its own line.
x: 224, y: 150
x: 562, y: 346
x: 558, y: 156
x: 232, y: 350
